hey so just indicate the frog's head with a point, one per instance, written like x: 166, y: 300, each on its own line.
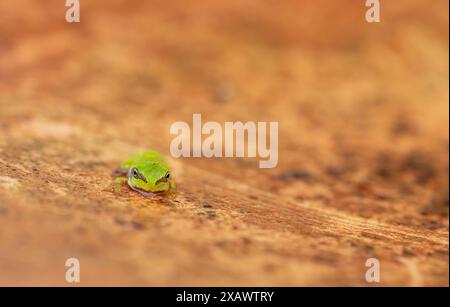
x: 149, y: 177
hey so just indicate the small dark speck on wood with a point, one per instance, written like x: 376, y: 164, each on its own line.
x: 295, y: 175
x: 408, y: 252
x: 224, y: 92
x: 335, y: 171
x: 119, y: 221
x: 137, y: 225
x: 211, y: 213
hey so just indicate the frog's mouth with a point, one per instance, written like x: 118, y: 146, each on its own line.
x: 144, y: 192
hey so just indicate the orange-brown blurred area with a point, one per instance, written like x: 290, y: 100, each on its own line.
x: 363, y: 113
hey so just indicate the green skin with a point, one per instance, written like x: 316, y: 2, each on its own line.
x: 146, y: 172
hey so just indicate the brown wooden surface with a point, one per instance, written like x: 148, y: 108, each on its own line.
x: 363, y: 159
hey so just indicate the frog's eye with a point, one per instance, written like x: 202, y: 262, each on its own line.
x: 167, y: 176
x: 137, y: 175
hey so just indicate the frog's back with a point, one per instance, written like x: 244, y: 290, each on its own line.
x: 148, y: 156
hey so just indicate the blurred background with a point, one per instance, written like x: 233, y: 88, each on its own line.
x: 363, y: 136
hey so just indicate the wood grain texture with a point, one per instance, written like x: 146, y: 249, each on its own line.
x: 363, y: 142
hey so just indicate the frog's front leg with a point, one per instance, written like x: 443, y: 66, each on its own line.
x: 172, y: 185
x: 120, y: 180
x: 120, y: 176
x: 118, y: 183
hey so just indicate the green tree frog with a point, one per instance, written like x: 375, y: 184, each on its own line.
x: 146, y: 172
